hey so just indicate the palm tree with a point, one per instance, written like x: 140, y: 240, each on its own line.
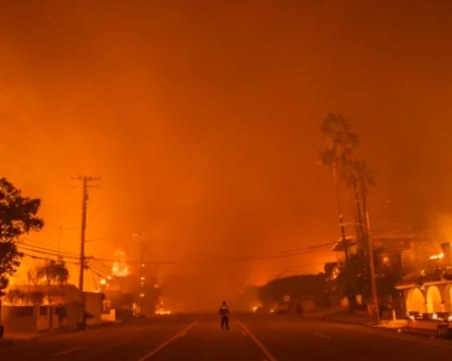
x: 341, y: 142
x: 338, y: 154
x: 359, y: 177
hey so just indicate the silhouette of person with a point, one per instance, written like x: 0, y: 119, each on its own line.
x: 299, y: 308
x: 224, y: 313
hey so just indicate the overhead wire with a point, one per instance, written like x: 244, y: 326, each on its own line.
x: 31, y: 243
x: 45, y: 251
x: 95, y: 270
x: 279, y: 255
x: 74, y: 228
x: 100, y: 262
x: 100, y: 267
x: 285, y: 254
x: 298, y: 249
x: 95, y: 283
x: 25, y: 112
x: 46, y: 258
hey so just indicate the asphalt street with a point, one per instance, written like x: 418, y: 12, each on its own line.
x: 251, y: 337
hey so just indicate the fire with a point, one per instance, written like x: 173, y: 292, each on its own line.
x: 120, y: 267
x: 162, y: 311
x: 437, y: 256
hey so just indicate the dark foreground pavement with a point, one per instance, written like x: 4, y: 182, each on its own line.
x: 252, y: 337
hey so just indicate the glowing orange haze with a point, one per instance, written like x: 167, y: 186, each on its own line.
x: 202, y: 118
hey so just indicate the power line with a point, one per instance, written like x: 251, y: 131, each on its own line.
x: 98, y: 271
x: 25, y: 112
x: 100, y: 265
x: 74, y: 228
x: 288, y: 253
x: 298, y: 249
x: 39, y: 248
x: 95, y: 283
x: 294, y: 252
x: 145, y: 262
x: 54, y: 254
x: 46, y: 258
x: 48, y: 249
x: 232, y: 260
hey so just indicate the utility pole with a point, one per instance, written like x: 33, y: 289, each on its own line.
x: 339, y: 209
x: 85, y: 185
x: 344, y: 237
x: 142, y: 278
x: 373, y: 282
x: 141, y: 272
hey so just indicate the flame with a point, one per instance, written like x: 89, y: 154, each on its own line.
x: 120, y: 267
x: 437, y: 256
x: 162, y: 311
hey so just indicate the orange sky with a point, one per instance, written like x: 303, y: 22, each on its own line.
x: 202, y: 118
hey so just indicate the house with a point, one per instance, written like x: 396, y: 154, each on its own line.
x: 427, y: 288
x: 393, y: 260
x: 42, y: 307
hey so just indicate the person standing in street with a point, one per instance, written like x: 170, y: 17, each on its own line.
x: 224, y: 313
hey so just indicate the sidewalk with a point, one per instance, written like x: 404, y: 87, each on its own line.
x: 339, y: 315
x: 20, y: 336
x: 11, y: 338
x: 7, y: 343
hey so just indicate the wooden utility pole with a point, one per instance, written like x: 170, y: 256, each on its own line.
x: 373, y: 281
x: 83, y: 232
x: 85, y: 185
x: 344, y: 238
x: 142, y: 278
x: 339, y: 209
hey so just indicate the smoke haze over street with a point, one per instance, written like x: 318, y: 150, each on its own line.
x: 203, y: 120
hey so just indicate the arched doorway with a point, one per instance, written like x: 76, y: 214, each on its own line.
x: 434, y: 300
x: 415, y: 301
x: 448, y: 300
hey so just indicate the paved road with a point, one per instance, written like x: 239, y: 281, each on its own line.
x: 251, y: 338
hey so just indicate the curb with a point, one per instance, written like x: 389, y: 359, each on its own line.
x: 55, y: 332
x: 403, y: 330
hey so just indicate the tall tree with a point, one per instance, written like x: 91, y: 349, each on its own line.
x: 339, y: 154
x: 359, y: 177
x: 341, y: 143
x: 18, y: 216
x: 53, y: 273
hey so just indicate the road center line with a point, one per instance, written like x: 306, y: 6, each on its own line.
x: 167, y: 342
x: 321, y: 335
x: 65, y: 352
x: 259, y: 344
